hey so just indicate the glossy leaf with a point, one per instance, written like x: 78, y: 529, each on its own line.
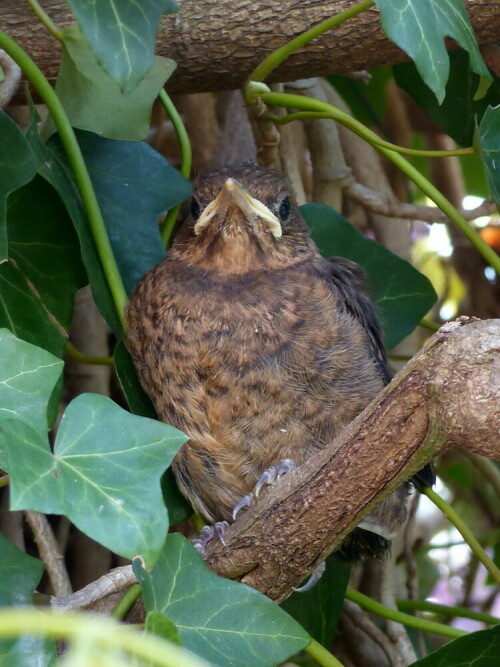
x: 18, y: 165
x: 419, y: 27
x: 318, y: 611
x: 402, y: 293
x: 480, y: 649
x: 457, y: 114
x: 19, y: 576
x: 28, y: 375
x: 45, y: 248
x: 489, y: 130
x: 94, y: 101
x: 122, y: 35
x: 104, y: 474
x: 222, y: 621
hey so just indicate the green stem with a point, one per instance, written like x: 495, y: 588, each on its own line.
x: 307, y: 103
x: 45, y: 19
x: 4, y: 480
x: 85, y: 358
x: 375, y: 139
x: 465, y: 531
x: 322, y: 655
x: 127, y: 601
x: 277, y: 57
x: 77, y: 162
x: 463, y: 612
x: 104, y: 632
x: 429, y: 324
x: 399, y: 617
x: 186, y: 160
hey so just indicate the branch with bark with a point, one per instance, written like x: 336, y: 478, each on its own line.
x: 217, y: 43
x: 447, y: 396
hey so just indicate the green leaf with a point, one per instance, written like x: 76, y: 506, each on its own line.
x: 367, y: 101
x: 122, y: 35
x: 220, y: 620
x: 22, y: 311
x: 137, y: 399
x: 318, y: 611
x: 489, y: 131
x: 55, y: 169
x: 104, y: 474
x: 457, y: 114
x: 45, y: 248
x: 18, y: 165
x: 94, y: 101
x: 19, y: 576
x: 480, y: 649
x: 158, y: 624
x: 133, y: 184
x: 419, y: 28
x: 28, y: 375
x: 402, y: 293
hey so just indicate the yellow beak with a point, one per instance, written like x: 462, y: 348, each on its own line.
x: 234, y: 193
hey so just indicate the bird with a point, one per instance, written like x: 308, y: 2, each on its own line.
x: 255, y: 346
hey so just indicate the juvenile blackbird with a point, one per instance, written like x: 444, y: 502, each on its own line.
x: 254, y: 345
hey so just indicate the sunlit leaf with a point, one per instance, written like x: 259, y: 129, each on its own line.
x: 419, y: 27
x: 220, y: 620
x: 94, y: 101
x: 122, y: 34
x: 104, y: 474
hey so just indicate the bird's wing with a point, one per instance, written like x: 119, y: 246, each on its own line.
x: 350, y: 280
x: 351, y: 283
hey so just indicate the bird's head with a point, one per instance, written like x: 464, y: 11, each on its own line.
x: 243, y: 218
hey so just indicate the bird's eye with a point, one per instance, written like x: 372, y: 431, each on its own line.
x: 195, y: 209
x: 284, y: 209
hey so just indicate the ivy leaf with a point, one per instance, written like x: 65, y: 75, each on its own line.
x: 104, y: 474
x: 122, y: 35
x: 18, y: 165
x: 28, y: 375
x: 158, y: 624
x: 94, y: 101
x: 457, y: 114
x: 402, y: 293
x: 19, y: 576
x: 318, y: 611
x: 133, y: 184
x: 419, y: 28
x: 229, y: 623
x: 55, y: 169
x: 480, y: 649
x: 39, y: 228
x: 489, y: 131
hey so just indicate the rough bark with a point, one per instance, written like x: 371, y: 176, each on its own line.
x: 217, y: 43
x: 447, y: 396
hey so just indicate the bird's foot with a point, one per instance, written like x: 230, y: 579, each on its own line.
x: 313, y: 579
x: 268, y: 477
x: 207, y: 534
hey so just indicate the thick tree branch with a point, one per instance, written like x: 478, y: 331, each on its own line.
x: 217, y: 43
x: 447, y: 396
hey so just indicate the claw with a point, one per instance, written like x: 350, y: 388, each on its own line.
x: 207, y: 534
x: 313, y: 579
x: 273, y: 473
x: 244, y: 502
